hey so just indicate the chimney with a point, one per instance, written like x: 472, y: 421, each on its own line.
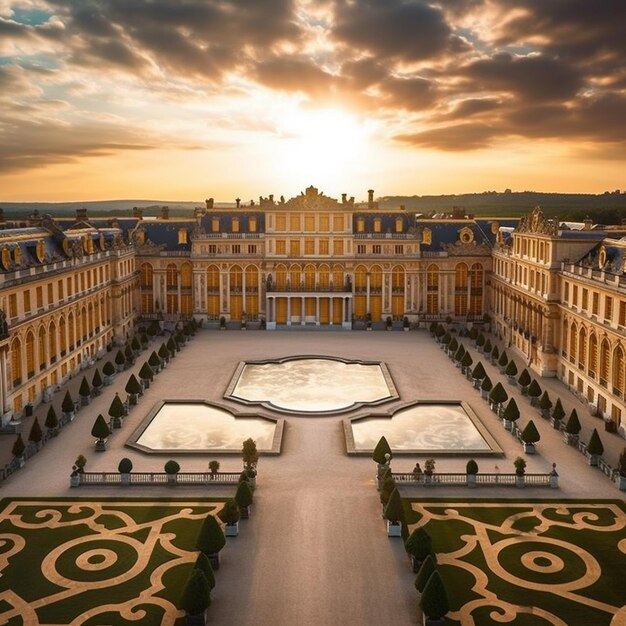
x: 81, y: 214
x: 370, y: 198
x: 588, y: 222
x: 209, y: 203
x: 165, y: 212
x: 238, y: 201
x: 343, y: 198
x: 138, y: 213
x: 271, y: 198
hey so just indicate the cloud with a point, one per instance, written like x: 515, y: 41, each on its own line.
x: 453, y: 138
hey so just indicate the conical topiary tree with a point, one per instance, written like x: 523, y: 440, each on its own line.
x: 243, y: 498
x: 557, y: 412
x: 511, y: 369
x: 35, y: 435
x: 164, y: 353
x: 534, y: 391
x: 204, y: 565
x: 545, y: 404
x: 120, y: 359
x: 84, y: 391
x: 100, y: 431
x: 427, y: 568
x: 459, y: 354
x: 511, y: 412
x: 453, y: 346
x: 144, y: 340
x: 96, y: 381
x: 498, y: 394
x: 486, y: 385
x: 530, y: 434
x: 135, y: 345
x: 117, y: 411
x: 394, y: 510
x: 129, y: 354
x: 440, y: 331
x: 171, y: 346
x: 146, y: 373
x: 18, y: 446
x: 467, y: 360
x: 595, y: 447
x: 211, y: 539
x: 52, y: 421
x: 495, y: 354
x: 154, y: 361
x: 446, y: 339
x: 434, y: 601
x: 478, y: 372
x: 487, y: 347
x: 524, y: 379
x: 108, y: 369
x: 382, y: 448
x: 419, y: 545
x: 473, y: 333
x: 67, y: 406
x: 573, y: 424
x: 133, y: 389
x: 503, y: 360
x: 196, y: 597
x: 480, y: 340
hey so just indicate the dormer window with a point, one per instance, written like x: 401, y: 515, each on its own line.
x: 360, y: 225
x: 252, y: 224
x: 215, y: 225
x: 377, y: 225
x: 182, y: 235
x: 398, y: 224
x: 235, y: 224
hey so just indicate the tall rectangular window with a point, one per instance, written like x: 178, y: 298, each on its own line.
x: 309, y: 222
x: 27, y: 301
x: 338, y: 223
x: 622, y: 313
x: 294, y: 222
x: 324, y: 223
x: 294, y: 247
x: 39, y: 297
x: 13, y: 305
x: 281, y: 246
x: 309, y: 246
x: 252, y: 224
x: 608, y: 308
x: 338, y: 247
x: 281, y: 222
x: 323, y: 246
x: 50, y: 294
x: 594, y: 302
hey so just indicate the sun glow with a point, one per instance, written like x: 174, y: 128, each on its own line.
x: 329, y: 142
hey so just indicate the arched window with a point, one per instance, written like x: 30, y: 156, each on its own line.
x: 16, y: 362
x: 280, y: 277
x: 618, y: 371
x: 213, y: 278
x: 147, y: 273
x: 41, y: 344
x: 582, y: 348
x: 185, y: 275
x: 376, y: 278
x: 432, y: 290
x: 573, y: 335
x: 460, y: 276
x: 295, y: 272
x: 593, y: 355
x: 324, y: 274
x: 476, y: 289
x: 397, y: 278
x: 62, y: 336
x: 52, y: 342
x: 71, y: 331
x: 309, y: 277
x: 605, y: 361
x: 236, y: 278
x: 337, y: 277
x: 30, y: 354
x: 171, y: 276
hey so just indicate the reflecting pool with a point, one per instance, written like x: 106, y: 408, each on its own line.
x: 312, y: 385
x: 189, y: 426
x: 424, y: 428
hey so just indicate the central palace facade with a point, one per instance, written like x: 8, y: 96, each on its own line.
x: 554, y: 293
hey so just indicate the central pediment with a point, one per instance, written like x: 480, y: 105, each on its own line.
x: 312, y: 198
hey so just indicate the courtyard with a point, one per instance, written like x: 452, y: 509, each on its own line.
x: 315, y: 550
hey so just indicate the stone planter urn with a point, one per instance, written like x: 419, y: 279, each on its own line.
x: 125, y: 479
x: 593, y: 459
x: 520, y: 481
x: 394, y: 529
x: 508, y: 424
x: 75, y: 480
x: 471, y: 480
x: 529, y: 448
x: 231, y: 530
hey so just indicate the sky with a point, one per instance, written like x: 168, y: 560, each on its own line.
x: 193, y: 99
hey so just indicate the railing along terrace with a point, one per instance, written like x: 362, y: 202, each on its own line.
x: 460, y: 479
x: 158, y: 478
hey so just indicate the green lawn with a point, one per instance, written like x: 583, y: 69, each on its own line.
x: 536, y: 562
x: 116, y: 559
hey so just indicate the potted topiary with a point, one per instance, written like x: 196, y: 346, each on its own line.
x: 84, y: 391
x: 557, y: 414
x: 405, y: 324
x: 77, y: 469
x: 229, y: 514
x: 503, y: 361
x: 146, y: 374
x: 571, y: 433
x: 214, y: 468
x: 434, y: 601
x: 510, y: 415
x: 196, y: 598
x: 171, y: 346
x: 595, y: 448
x: 130, y: 355
x: 458, y: 355
x: 497, y: 397
x: 545, y: 404
x: 154, y: 362
x: 211, y: 540
x: 135, y: 345
x: 419, y: 545
x: 125, y: 467
x: 171, y: 469
x: 389, y: 323
x: 249, y: 454
x: 534, y: 391
x: 36, y: 435
x: 530, y: 436
x: 204, y: 565
x: 387, y: 485
x: 96, y: 382
x: 466, y: 363
x: 381, y: 450
x: 117, y: 411
x: 485, y: 387
x: 620, y: 478
x: 120, y: 361
x: 52, y: 422
x: 487, y: 348
x: 432, y: 328
x: 520, y: 470
x: 109, y: 372
x: 425, y: 571
x: 453, y: 346
x: 495, y: 355
x: 18, y: 450
x: 133, y: 389
x: 394, y: 514
x: 478, y: 373
x: 243, y: 497
x: 222, y: 323
x: 166, y: 354
x: 524, y: 381
x: 471, y: 469
x: 144, y: 341
x: 101, y: 431
x: 511, y: 372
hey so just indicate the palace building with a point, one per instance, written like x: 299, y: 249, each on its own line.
x: 73, y: 288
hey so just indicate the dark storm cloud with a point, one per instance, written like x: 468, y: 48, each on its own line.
x: 295, y: 75
x: 409, y: 31
x: 472, y: 107
x: 412, y: 94
x: 453, y: 138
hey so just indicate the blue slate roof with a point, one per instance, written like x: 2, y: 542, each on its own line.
x: 225, y: 218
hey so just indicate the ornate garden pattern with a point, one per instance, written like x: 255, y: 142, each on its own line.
x: 530, y: 564
x: 79, y: 562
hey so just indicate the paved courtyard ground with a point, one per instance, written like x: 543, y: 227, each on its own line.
x: 315, y: 550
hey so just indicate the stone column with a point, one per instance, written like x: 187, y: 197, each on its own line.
x: 317, y: 310
x: 367, y: 293
x: 302, y: 312
x: 288, y: 310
